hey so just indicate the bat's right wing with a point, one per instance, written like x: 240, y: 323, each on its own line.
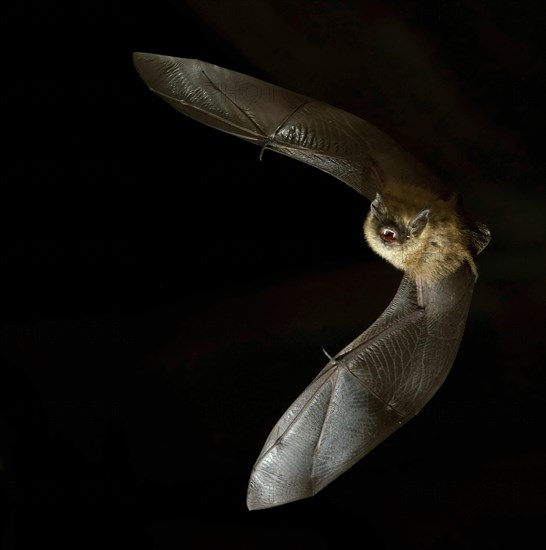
x: 365, y: 393
x: 311, y: 131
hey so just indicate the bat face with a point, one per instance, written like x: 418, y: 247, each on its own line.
x: 418, y: 233
x: 396, y: 226
x: 387, y: 374
x: 395, y: 231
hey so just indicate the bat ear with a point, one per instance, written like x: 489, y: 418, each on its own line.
x: 419, y: 222
x: 479, y: 236
x: 378, y: 208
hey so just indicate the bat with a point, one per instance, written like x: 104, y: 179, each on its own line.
x: 387, y: 374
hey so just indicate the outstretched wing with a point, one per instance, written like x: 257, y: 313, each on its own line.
x: 314, y: 132
x: 366, y: 392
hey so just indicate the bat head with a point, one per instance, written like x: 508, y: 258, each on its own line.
x: 418, y: 233
x: 396, y: 225
x: 394, y: 230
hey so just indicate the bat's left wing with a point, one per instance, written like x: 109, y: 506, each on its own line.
x: 366, y: 392
x: 333, y: 140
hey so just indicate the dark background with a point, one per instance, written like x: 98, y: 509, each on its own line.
x: 165, y: 295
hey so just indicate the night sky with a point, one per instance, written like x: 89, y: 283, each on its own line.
x: 166, y: 295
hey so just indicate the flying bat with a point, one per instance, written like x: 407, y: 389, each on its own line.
x: 388, y: 373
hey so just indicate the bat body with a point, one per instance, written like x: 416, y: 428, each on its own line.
x: 385, y: 376
x: 428, y: 243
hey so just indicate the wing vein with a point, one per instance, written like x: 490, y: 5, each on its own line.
x: 249, y: 118
x: 300, y: 106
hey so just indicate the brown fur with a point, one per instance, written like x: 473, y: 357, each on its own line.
x: 443, y: 244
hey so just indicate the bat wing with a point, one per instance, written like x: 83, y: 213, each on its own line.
x: 311, y: 131
x: 366, y: 392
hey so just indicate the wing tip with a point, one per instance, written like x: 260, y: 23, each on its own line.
x: 268, y: 489
x: 142, y: 57
x: 256, y: 500
x: 143, y: 61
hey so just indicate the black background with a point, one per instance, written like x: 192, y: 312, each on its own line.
x: 165, y: 295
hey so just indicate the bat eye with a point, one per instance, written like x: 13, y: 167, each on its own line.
x: 389, y: 235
